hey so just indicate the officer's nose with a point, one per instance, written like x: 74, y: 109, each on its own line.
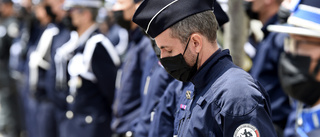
x: 162, y: 53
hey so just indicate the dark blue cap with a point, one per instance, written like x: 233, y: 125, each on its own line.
x: 221, y: 16
x: 155, y: 16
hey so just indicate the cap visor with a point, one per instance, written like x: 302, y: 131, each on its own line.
x: 293, y: 30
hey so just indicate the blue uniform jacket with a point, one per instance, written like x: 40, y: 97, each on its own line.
x: 265, y: 70
x: 157, y: 80
x: 182, y: 100
x: 169, y: 108
x: 89, y: 113
x: 55, y: 95
x: 48, y: 115
x: 303, y: 121
x: 226, y: 101
x: 29, y: 104
x: 126, y: 107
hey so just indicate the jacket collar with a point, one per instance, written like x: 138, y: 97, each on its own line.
x: 211, y: 69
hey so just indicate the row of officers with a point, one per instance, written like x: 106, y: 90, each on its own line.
x: 124, y: 68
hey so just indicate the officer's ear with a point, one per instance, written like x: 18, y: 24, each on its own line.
x: 196, y: 40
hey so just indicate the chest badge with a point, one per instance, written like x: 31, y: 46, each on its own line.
x: 188, y: 94
x: 182, y: 106
x: 246, y: 130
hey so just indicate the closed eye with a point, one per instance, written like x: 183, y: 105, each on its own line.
x: 165, y: 48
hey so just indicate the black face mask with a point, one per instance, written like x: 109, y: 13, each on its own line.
x: 283, y: 14
x: 296, y: 80
x: 50, y: 13
x: 118, y: 15
x: 177, y: 67
x: 248, y: 9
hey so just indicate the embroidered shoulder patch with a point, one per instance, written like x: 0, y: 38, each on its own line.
x: 246, y: 130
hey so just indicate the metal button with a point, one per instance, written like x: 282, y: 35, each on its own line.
x: 75, y: 82
x: 70, y: 99
x: 88, y: 119
x: 69, y: 114
x: 129, y: 134
x: 79, y: 82
x: 300, y: 121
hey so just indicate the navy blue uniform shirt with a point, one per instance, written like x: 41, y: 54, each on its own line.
x: 30, y: 104
x: 226, y: 101
x: 50, y: 109
x: 126, y: 107
x: 54, y: 94
x: 89, y: 109
x: 157, y: 80
x: 169, y: 110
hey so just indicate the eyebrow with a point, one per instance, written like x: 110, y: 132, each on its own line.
x: 162, y: 47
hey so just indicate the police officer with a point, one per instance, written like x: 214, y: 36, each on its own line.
x: 33, y: 89
x: 157, y: 80
x: 18, y: 51
x: 299, y: 65
x: 227, y: 101
x: 9, y: 105
x: 171, y: 107
x: 53, y: 106
x: 91, y: 75
x: 127, y: 102
x: 265, y: 62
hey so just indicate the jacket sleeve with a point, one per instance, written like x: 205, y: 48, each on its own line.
x: 256, y: 123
